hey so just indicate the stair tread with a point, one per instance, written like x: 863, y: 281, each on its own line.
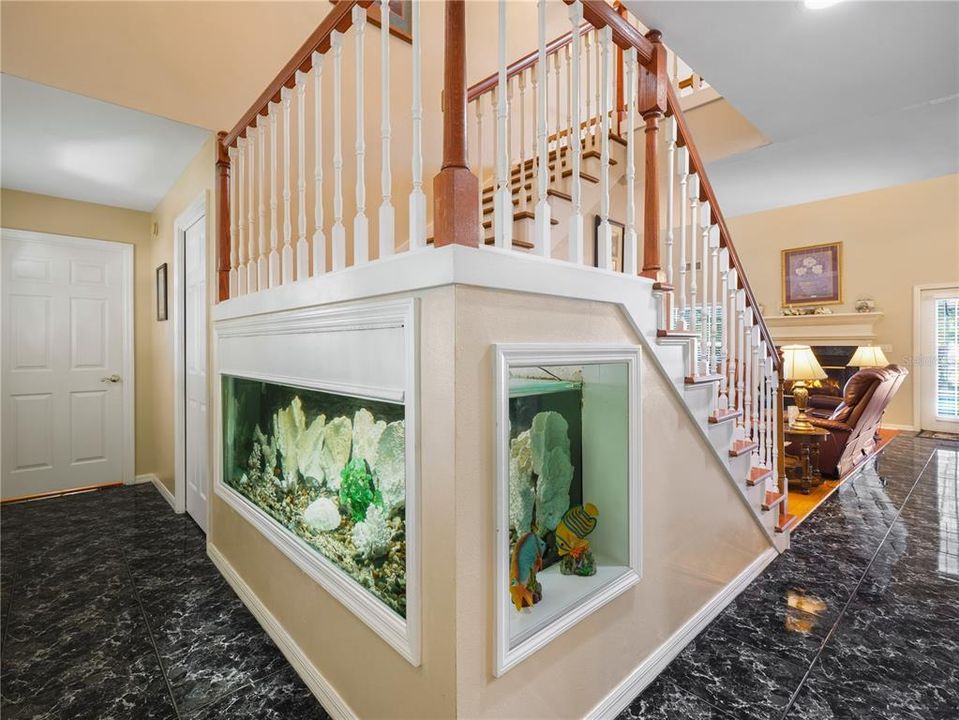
x: 521, y: 215
x: 583, y: 175
x: 741, y: 447
x: 597, y: 154
x: 677, y: 334
x: 662, y: 287
x: 702, y: 379
x: 786, y: 523
x: 721, y: 416
x: 758, y: 474
x: 772, y: 499
x: 523, y: 244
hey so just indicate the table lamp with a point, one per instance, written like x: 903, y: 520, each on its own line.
x: 868, y: 356
x: 800, y: 365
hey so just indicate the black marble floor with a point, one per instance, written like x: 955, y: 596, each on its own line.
x: 110, y: 608
x: 859, y: 619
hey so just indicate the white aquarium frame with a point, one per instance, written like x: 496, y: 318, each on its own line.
x: 402, y: 634
x: 525, y: 355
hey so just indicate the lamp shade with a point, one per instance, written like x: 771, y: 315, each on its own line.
x: 799, y: 363
x: 868, y: 356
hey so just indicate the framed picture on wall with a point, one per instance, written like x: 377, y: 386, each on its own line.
x: 161, y: 292
x: 812, y: 275
x: 618, y: 234
x: 401, y: 18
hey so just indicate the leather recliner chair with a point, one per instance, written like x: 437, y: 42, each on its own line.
x: 853, y: 421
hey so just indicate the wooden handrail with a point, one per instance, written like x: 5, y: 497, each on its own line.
x: 706, y: 192
x: 339, y: 18
x: 525, y: 62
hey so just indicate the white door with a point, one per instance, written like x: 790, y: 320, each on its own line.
x: 196, y: 438
x: 67, y: 366
x: 939, y: 360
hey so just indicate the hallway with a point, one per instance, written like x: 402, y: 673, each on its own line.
x: 111, y: 609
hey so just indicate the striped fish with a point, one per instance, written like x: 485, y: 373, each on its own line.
x: 578, y: 522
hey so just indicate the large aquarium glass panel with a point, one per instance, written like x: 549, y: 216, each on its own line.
x: 330, y: 469
x: 568, y: 491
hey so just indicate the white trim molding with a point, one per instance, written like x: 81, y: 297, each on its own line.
x: 637, y: 681
x: 196, y: 210
x: 403, y: 635
x: 321, y: 688
x: 538, y: 355
x: 158, y: 484
x: 914, y: 360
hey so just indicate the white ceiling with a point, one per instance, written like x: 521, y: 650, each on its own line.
x: 66, y: 145
x: 853, y: 97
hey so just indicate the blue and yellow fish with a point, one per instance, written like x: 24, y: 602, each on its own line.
x: 578, y: 522
x: 526, y: 561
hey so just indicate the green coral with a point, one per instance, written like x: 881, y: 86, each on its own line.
x: 357, y: 489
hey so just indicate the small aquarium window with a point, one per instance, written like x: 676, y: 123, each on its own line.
x: 330, y: 469
x: 569, y: 491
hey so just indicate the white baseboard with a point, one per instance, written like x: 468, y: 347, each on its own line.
x: 161, y: 488
x: 624, y: 693
x: 318, y: 685
x: 905, y: 428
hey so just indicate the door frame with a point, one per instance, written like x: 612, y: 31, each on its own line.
x: 197, y: 209
x: 917, y: 291
x: 128, y: 386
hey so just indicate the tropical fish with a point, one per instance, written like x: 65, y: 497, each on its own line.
x: 526, y: 562
x: 578, y: 522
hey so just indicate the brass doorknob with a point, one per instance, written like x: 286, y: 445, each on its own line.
x: 115, y: 378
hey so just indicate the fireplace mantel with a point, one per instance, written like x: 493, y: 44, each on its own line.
x: 835, y: 329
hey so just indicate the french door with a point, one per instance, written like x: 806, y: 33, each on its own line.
x: 939, y: 359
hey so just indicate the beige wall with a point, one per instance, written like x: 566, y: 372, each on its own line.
x: 41, y: 213
x: 197, y: 179
x: 893, y: 239
x: 698, y: 535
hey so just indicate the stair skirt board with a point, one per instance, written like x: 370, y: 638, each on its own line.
x: 647, y: 671
x: 321, y: 688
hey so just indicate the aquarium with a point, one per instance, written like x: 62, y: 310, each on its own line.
x: 330, y: 469
x: 568, y: 493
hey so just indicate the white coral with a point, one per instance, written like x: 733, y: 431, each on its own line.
x: 390, y: 467
x: 322, y: 515
x: 366, y: 435
x: 288, y: 424
x: 371, y: 537
x: 335, y: 453
x: 308, y: 448
x: 521, y: 493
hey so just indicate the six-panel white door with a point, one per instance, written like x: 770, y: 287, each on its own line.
x: 195, y: 342
x: 67, y: 402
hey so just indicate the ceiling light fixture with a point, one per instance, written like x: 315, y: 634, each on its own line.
x: 819, y: 4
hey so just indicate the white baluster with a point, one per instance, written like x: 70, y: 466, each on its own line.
x: 523, y: 195
x: 720, y: 310
x: 319, y: 235
x: 559, y: 107
x: 251, y: 212
x: 242, y: 277
x: 683, y: 205
x: 480, y: 171
x: 339, y: 231
x: 704, y: 310
x: 591, y: 38
x: 670, y: 198
x: 741, y: 361
x: 542, y: 237
x: 714, y: 349
x: 730, y: 336
x: 599, y: 90
x: 604, y: 248
x: 754, y: 344
x: 361, y: 224
x: 509, y: 138
x: 234, y: 237
x: 274, y: 262
x: 417, y: 196
x: 262, y: 264
x: 693, y: 244
x: 502, y: 200
x: 302, y: 248
x: 749, y: 358
x: 387, y: 215
x: 576, y: 212
x: 774, y: 421
x: 630, y: 250
x: 761, y: 412
x: 569, y: 98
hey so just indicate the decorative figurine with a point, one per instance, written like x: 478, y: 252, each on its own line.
x: 576, y: 558
x: 865, y: 305
x: 527, y: 560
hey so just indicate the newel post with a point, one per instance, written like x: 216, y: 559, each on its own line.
x: 652, y: 106
x: 222, y: 219
x: 455, y: 188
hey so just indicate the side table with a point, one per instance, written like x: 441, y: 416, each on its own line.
x: 808, y: 441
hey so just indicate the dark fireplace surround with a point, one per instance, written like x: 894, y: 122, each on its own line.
x: 834, y: 359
